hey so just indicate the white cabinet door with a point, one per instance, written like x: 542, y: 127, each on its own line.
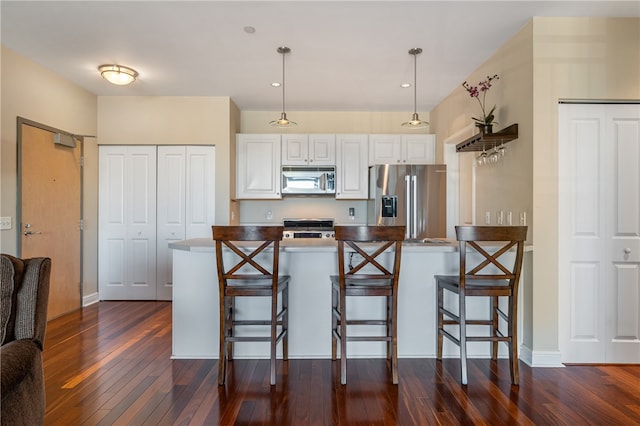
x: 402, y: 149
x: 599, y: 239
x: 308, y: 150
x: 258, y: 166
x: 295, y: 150
x: 385, y: 149
x: 322, y: 150
x: 352, y: 171
x: 127, y: 223
x: 186, y: 203
x: 419, y: 149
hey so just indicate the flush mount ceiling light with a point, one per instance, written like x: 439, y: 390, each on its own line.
x: 117, y: 74
x: 415, y: 122
x: 283, y: 121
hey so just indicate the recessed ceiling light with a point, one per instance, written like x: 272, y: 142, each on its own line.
x: 249, y: 29
x: 275, y: 84
x: 405, y: 85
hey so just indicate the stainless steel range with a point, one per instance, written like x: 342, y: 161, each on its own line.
x: 308, y: 228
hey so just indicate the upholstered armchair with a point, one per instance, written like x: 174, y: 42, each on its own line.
x: 24, y: 293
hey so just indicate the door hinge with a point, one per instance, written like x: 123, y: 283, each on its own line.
x: 81, y: 224
x: 82, y: 161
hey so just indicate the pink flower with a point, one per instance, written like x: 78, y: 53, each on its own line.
x: 474, y: 91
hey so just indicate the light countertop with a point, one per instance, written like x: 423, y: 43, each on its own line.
x: 314, y: 245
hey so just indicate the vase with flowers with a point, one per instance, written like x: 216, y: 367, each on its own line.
x: 479, y: 92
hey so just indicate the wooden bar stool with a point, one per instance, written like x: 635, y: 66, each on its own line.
x: 499, y: 281
x: 367, y: 278
x: 254, y: 273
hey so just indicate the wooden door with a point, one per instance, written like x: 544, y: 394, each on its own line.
x: 599, y: 212
x: 127, y: 223
x: 50, y: 212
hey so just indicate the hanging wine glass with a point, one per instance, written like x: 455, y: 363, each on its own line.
x: 482, y: 158
x: 494, y: 156
x: 502, y: 150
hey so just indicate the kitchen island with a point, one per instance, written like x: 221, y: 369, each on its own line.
x: 310, y: 262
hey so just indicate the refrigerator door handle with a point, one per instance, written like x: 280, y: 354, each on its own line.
x: 414, y: 199
x: 407, y: 186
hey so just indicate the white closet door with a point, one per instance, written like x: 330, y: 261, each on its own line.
x: 171, y: 212
x: 186, y: 203
x: 200, y: 201
x: 599, y: 212
x: 622, y: 125
x: 127, y: 223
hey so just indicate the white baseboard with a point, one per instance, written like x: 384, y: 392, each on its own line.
x: 540, y: 358
x: 90, y: 299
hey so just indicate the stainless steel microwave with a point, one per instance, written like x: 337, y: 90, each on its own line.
x: 308, y: 180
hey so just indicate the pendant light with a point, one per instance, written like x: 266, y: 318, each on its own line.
x: 415, y: 122
x: 283, y: 121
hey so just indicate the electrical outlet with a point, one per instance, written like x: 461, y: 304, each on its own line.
x: 269, y: 215
x: 487, y: 218
x: 5, y: 222
x: 509, y: 218
x: 500, y: 217
x: 523, y: 218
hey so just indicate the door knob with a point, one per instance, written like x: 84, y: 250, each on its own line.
x: 627, y: 251
x: 28, y: 232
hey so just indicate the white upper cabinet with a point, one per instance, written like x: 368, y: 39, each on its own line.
x: 402, y: 149
x: 258, y: 166
x: 308, y: 150
x: 352, y: 170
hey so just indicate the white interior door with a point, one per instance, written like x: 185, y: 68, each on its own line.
x: 171, y: 213
x: 127, y: 223
x: 186, y: 203
x: 599, y: 212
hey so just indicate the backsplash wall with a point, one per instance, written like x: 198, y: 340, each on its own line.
x: 273, y: 211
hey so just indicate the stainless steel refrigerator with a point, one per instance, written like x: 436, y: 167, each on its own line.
x: 410, y: 195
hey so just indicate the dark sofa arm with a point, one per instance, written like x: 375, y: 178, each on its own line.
x: 18, y: 358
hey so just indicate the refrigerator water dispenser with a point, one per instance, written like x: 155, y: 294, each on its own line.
x: 389, y: 206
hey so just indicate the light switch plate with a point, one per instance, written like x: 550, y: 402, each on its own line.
x: 5, y: 222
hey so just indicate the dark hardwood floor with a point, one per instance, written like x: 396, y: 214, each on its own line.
x: 110, y: 364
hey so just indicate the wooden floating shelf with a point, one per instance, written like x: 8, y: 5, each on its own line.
x: 486, y: 141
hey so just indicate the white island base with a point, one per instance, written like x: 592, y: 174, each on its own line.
x: 196, y: 312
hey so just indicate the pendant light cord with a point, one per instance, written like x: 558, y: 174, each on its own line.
x: 284, y: 52
x: 283, y: 121
x: 415, y: 80
x: 415, y: 122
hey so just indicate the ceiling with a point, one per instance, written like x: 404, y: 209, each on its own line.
x: 345, y: 55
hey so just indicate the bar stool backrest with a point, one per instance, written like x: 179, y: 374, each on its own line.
x: 509, y: 236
